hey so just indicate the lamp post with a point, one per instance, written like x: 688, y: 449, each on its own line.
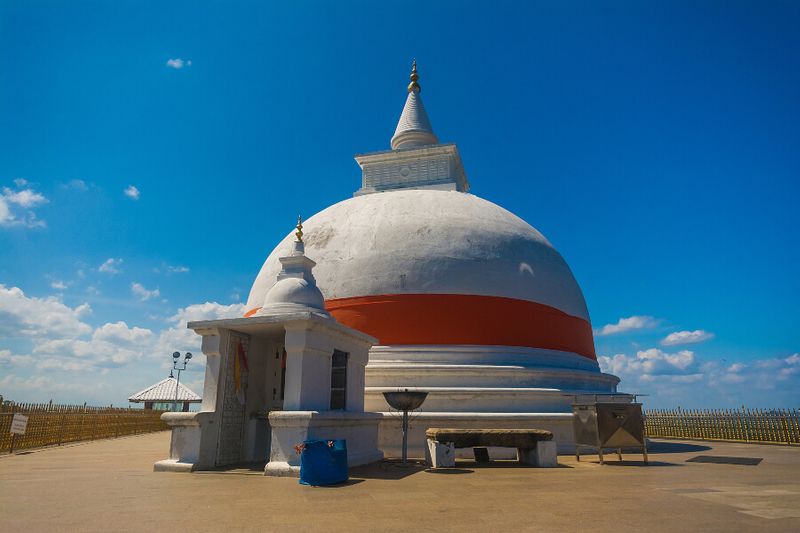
x: 175, y: 357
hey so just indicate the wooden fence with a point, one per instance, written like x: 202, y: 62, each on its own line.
x: 772, y: 426
x: 50, y: 424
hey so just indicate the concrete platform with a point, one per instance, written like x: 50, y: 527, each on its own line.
x: 110, y: 486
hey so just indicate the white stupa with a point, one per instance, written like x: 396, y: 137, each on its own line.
x: 468, y: 301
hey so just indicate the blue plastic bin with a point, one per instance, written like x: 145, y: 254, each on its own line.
x: 322, y: 464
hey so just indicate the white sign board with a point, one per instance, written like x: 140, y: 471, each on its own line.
x: 19, y: 424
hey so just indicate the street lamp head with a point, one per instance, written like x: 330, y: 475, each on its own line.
x: 175, y: 355
x: 188, y: 355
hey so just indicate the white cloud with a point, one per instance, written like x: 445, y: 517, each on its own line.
x: 23, y: 316
x: 791, y: 368
x: 20, y: 182
x: 179, y: 63
x: 111, y: 345
x: 8, y: 359
x: 673, y: 379
x: 686, y: 337
x: 24, y: 198
x: 177, y: 269
x: 5, y: 213
x: 58, y: 285
x: 111, y: 266
x: 119, y: 332
x: 178, y: 337
x: 46, y: 386
x: 76, y: 184
x: 16, y: 207
x: 142, y: 293
x: 627, y: 324
x: 686, y: 378
x: 65, y: 355
x: 648, y: 362
x: 132, y: 192
x: 680, y: 360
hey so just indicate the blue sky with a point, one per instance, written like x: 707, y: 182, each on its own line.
x: 656, y: 146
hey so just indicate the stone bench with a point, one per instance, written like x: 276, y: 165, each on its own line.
x: 535, y: 447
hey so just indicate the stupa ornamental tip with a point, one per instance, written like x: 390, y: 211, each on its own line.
x: 298, y: 246
x: 414, y: 86
x: 299, y: 227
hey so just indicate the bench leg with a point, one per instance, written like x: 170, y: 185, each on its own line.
x: 527, y: 456
x: 481, y: 454
x: 543, y: 456
x: 442, y: 454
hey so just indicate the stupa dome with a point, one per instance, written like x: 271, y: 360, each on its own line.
x: 295, y: 291
x: 424, y: 266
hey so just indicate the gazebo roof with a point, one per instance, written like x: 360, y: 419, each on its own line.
x: 164, y: 391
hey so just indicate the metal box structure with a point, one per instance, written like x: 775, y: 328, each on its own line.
x: 610, y: 422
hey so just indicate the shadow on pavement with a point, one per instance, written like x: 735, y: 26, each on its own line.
x: 501, y: 463
x: 651, y: 464
x: 350, y: 482
x: 448, y: 471
x: 388, y: 469
x: 655, y: 446
x: 242, y: 469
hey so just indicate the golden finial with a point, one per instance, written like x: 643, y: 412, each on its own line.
x: 299, y: 232
x: 414, y: 77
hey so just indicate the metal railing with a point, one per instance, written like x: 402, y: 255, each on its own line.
x: 771, y: 426
x: 50, y: 424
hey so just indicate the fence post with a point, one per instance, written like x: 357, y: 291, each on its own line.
x: 61, y: 428
x: 785, y: 427
x: 13, y: 435
x: 743, y: 423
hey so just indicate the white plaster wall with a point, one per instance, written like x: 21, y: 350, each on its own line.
x: 290, y: 428
x: 308, y: 369
x: 481, y: 399
x: 483, y: 376
x: 428, y: 241
x: 469, y: 354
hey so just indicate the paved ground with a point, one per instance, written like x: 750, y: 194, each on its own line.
x: 110, y: 486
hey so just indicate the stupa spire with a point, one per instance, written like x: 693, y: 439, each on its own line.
x: 299, y: 228
x: 414, y: 86
x: 414, y: 128
x: 298, y: 247
x: 417, y: 160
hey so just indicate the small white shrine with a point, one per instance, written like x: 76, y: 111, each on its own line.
x: 288, y: 373
x: 166, y: 395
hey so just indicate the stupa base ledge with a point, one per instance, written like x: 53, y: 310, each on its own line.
x: 292, y: 428
x: 174, y: 465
